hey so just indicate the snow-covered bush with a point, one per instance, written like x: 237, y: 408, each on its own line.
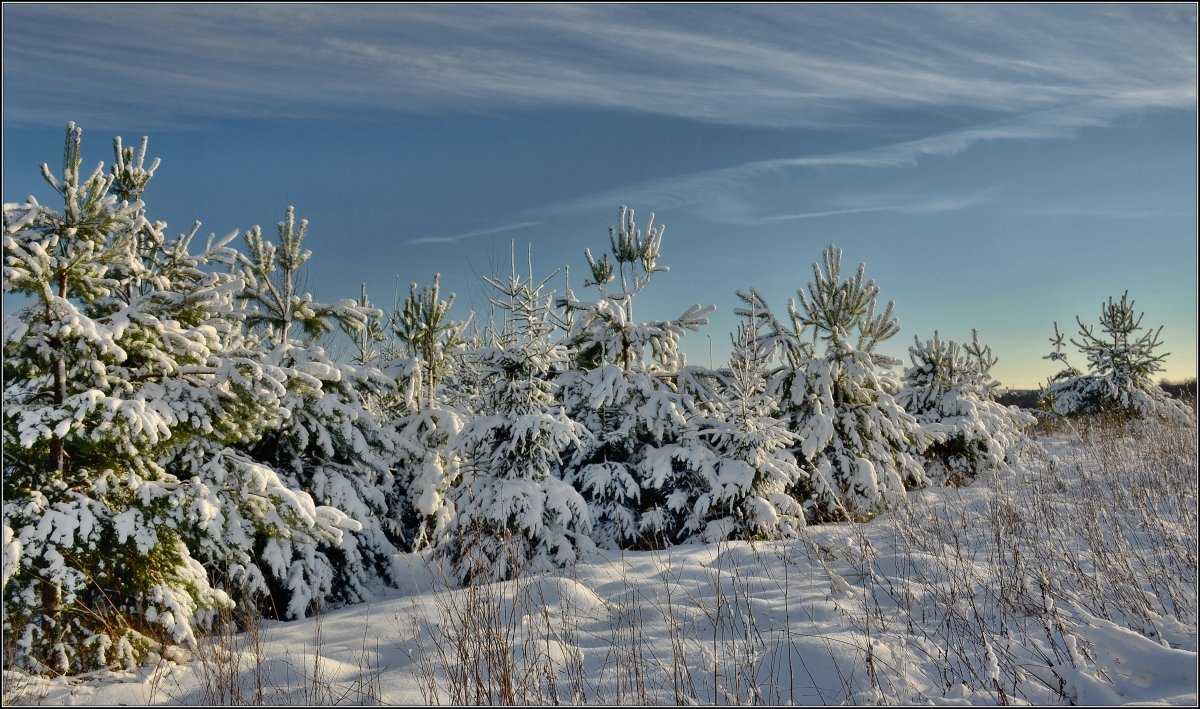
x: 950, y: 391
x: 513, y: 512
x: 641, y: 470
x: 1121, y: 365
x: 128, y: 351
x: 857, y: 444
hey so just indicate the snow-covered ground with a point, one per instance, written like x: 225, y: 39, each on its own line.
x: 1071, y: 580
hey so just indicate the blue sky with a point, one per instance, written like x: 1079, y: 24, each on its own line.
x: 996, y: 166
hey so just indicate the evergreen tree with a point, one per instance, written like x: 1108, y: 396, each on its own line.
x: 513, y: 511
x: 950, y: 391
x: 128, y: 352
x: 752, y: 492
x: 1121, y: 366
x: 857, y: 444
x: 369, y: 338
x: 330, y: 445
x: 644, y: 466
x: 431, y: 344
x: 1058, y: 339
x: 428, y: 336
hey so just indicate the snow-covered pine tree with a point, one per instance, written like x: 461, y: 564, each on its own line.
x: 331, y: 444
x: 513, y: 512
x: 128, y: 351
x: 432, y: 345
x: 643, y: 469
x: 1121, y: 365
x: 949, y: 389
x: 1058, y: 340
x: 370, y: 338
x: 857, y: 444
x: 428, y: 335
x: 755, y: 474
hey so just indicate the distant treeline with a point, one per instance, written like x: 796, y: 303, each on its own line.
x: 1180, y: 390
x: 1027, y: 398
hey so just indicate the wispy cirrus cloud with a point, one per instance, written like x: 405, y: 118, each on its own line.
x: 909, y: 205
x: 471, y: 234
x: 722, y: 193
x: 816, y: 66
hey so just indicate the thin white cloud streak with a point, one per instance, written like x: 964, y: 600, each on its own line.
x: 720, y: 192
x: 782, y: 66
x: 471, y: 234
x: 821, y: 215
x: 924, y: 205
